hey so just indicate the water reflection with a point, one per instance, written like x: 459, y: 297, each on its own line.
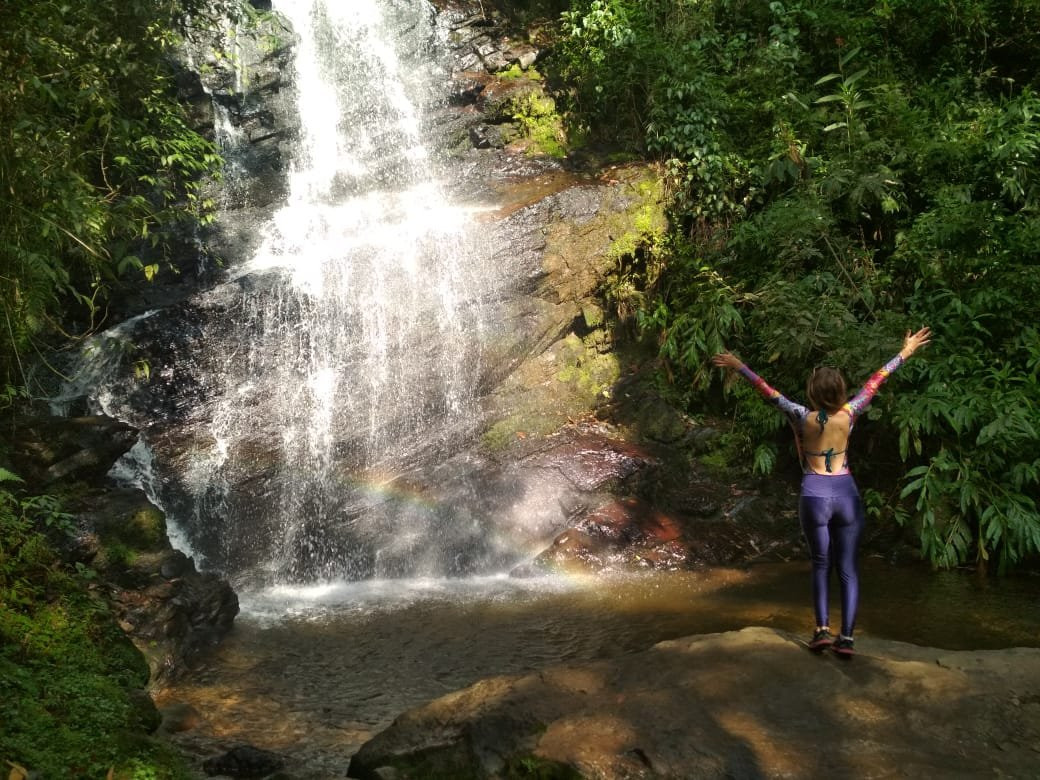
x: 314, y: 672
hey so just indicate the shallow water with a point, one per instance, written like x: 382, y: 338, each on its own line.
x: 315, y: 672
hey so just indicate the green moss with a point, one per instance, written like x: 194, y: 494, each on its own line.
x: 516, y: 72
x: 539, y: 121
x: 499, y: 435
x: 727, y: 453
x: 591, y: 377
x: 148, y: 527
x: 115, y: 555
x: 580, y: 375
x: 71, y: 682
x: 588, y: 373
x: 645, y: 224
x: 593, y: 315
x: 532, y: 767
x: 715, y: 460
x: 144, y: 530
x: 72, y: 705
x: 516, y: 426
x: 637, y: 250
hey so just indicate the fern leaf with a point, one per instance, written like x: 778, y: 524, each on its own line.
x: 9, y: 476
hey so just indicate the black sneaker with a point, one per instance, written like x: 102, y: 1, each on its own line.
x: 821, y: 640
x: 844, y: 645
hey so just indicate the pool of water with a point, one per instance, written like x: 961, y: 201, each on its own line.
x: 314, y: 672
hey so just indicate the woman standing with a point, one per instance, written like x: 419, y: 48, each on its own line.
x: 829, y: 506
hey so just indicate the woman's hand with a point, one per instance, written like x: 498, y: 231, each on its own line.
x: 727, y: 360
x: 915, y: 341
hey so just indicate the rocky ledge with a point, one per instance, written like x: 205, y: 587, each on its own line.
x: 167, y: 607
x: 745, y: 704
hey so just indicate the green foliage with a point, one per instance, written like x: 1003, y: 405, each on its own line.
x: 67, y: 672
x: 844, y: 172
x: 698, y: 316
x: 97, y: 166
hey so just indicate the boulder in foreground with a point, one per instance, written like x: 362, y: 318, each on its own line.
x: 746, y: 704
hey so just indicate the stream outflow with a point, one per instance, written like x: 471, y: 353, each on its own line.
x: 313, y: 672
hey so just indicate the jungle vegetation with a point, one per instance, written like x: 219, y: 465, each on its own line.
x: 71, y: 682
x: 98, y: 170
x: 843, y: 172
x: 97, y: 166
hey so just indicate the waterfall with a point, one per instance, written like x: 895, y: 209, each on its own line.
x: 308, y: 410
x: 357, y: 348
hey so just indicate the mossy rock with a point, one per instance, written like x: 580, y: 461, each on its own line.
x: 540, y: 123
x: 114, y: 557
x: 514, y: 71
x: 519, y: 426
x: 76, y: 684
x: 591, y: 379
x: 587, y: 373
x: 501, y: 98
x: 141, y: 529
x: 592, y: 315
x: 581, y: 378
x: 146, y: 528
x: 125, y: 661
x: 647, y: 222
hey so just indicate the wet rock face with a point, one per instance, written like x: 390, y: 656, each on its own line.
x: 590, y: 462
x: 752, y: 703
x: 244, y: 103
x: 475, y: 37
x: 170, y: 610
x: 548, y: 359
x: 70, y: 448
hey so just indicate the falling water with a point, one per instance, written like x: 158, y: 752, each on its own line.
x: 358, y: 347
x: 313, y: 414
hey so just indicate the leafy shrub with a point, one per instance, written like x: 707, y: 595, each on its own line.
x: 844, y: 172
x: 98, y: 164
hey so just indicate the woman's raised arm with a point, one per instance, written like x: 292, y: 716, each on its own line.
x: 911, y: 343
x: 793, y: 411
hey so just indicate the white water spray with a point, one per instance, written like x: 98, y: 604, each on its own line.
x: 310, y: 415
x: 358, y: 342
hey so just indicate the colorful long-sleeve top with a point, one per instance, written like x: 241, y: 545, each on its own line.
x: 797, y: 414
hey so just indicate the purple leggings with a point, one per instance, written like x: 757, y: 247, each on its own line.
x: 832, y: 520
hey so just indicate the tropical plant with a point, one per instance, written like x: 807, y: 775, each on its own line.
x: 820, y: 212
x: 98, y: 167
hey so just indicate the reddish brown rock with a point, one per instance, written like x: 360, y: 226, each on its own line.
x: 633, y: 520
x: 626, y: 533
x: 591, y: 462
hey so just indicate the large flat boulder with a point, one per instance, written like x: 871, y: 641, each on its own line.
x: 745, y: 704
